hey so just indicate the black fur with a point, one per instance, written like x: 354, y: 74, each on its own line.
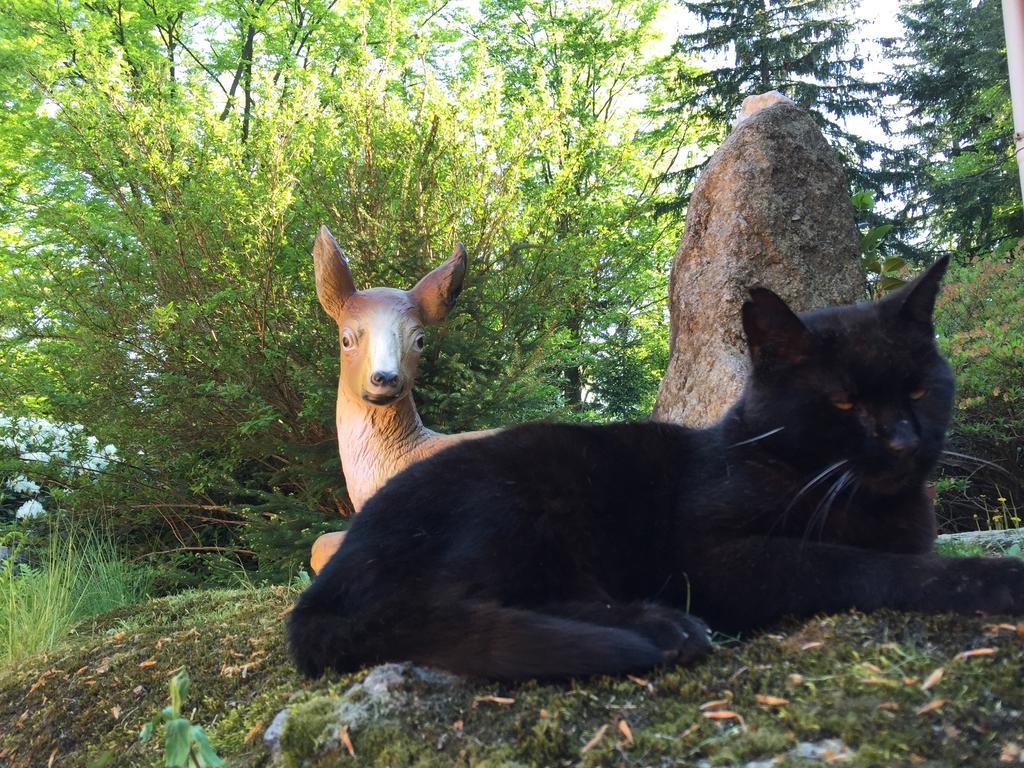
x: 554, y: 550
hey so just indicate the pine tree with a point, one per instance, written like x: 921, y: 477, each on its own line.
x: 958, y: 172
x: 801, y: 48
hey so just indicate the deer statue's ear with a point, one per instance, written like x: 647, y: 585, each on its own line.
x: 334, y: 283
x: 774, y: 333
x: 436, y: 293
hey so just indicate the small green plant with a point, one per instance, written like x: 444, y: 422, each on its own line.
x: 1001, y: 516
x: 301, y: 580
x: 883, y: 271
x: 185, y: 745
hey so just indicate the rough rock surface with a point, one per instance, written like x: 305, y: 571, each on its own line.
x: 325, y: 724
x: 992, y: 541
x: 773, y: 209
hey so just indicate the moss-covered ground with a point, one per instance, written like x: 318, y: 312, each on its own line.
x: 869, y: 681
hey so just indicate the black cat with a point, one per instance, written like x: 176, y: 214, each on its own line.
x: 554, y: 550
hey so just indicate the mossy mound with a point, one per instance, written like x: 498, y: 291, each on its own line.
x: 94, y: 694
x: 851, y: 680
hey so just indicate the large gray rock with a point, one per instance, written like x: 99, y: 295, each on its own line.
x: 771, y: 209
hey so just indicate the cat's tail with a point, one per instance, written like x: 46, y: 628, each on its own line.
x: 471, y: 638
x: 330, y: 627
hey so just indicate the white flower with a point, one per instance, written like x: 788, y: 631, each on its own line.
x: 42, y: 441
x: 94, y: 464
x: 30, y: 509
x: 22, y: 484
x: 36, y: 456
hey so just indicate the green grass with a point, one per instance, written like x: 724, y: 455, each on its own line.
x: 78, y: 576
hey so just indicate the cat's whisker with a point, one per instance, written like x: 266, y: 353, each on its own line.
x: 835, y: 491
x: 856, y: 487
x: 968, y: 457
x: 762, y: 436
x: 812, y: 520
x: 817, y: 479
x: 781, y: 520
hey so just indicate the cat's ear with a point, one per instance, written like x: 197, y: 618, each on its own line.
x: 916, y: 301
x: 774, y: 333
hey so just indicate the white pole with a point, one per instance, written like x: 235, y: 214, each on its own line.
x: 1013, y: 28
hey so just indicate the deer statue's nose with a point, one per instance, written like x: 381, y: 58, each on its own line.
x: 384, y: 379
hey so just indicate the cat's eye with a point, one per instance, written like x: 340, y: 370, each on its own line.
x: 917, y: 394
x: 843, y: 405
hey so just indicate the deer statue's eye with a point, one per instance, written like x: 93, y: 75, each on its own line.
x: 917, y: 394
x: 843, y: 404
x: 347, y: 340
x: 418, y: 342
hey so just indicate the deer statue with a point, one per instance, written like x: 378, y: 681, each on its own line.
x: 381, y: 331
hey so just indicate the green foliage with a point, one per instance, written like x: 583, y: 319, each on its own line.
x: 958, y: 171
x: 44, y: 596
x: 171, y: 167
x: 980, y: 322
x: 185, y: 745
x: 882, y: 269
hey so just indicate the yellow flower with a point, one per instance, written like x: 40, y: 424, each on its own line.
x: 1001, y: 500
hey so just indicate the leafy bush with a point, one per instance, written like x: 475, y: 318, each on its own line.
x: 980, y: 322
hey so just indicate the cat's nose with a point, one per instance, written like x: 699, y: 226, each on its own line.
x: 902, y: 439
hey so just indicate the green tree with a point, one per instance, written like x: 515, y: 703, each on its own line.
x: 802, y: 48
x: 958, y: 173
x: 591, y: 186
x: 171, y: 162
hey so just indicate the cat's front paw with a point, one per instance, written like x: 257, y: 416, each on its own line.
x: 682, y: 638
x: 993, y: 585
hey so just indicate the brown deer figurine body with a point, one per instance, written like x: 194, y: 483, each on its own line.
x: 381, y: 335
